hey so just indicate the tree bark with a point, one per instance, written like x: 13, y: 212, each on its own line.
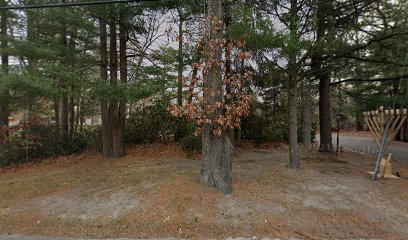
x: 228, y: 92
x: 4, y: 93
x: 217, y: 153
x: 180, y: 62
x: 228, y: 73
x: 180, y: 66
x: 123, y: 77
x: 323, y: 75
x: 294, y: 161
x: 57, y: 114
x: 72, y: 115
x: 78, y: 113
x: 64, y: 112
x: 113, y: 104
x: 106, y: 126
x: 326, y: 144
x: 64, y: 89
x: 72, y: 97
x: 307, y: 119
x: 32, y: 35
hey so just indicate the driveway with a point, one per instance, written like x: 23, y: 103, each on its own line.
x: 368, y: 146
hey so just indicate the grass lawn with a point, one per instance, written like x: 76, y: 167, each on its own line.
x: 154, y: 192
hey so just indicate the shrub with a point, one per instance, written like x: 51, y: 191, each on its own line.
x: 192, y: 144
x: 35, y: 141
x: 90, y: 137
x: 155, y: 124
x: 150, y: 124
x: 263, y: 128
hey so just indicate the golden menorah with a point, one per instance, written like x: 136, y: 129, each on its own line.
x: 385, y: 124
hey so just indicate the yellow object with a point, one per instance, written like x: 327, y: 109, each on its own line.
x: 385, y: 168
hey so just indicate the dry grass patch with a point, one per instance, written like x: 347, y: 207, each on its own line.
x: 329, y: 197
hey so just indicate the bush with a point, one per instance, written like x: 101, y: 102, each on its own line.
x: 89, y: 137
x: 150, y: 124
x: 35, y: 141
x: 9, y: 155
x: 155, y: 124
x: 192, y: 144
x: 262, y: 128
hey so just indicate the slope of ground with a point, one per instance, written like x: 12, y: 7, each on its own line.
x: 154, y: 192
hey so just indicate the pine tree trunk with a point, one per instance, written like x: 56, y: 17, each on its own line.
x: 294, y: 161
x: 78, y: 113
x: 326, y: 144
x: 64, y: 114
x: 113, y: 104
x: 72, y: 98
x: 180, y: 62
x: 4, y: 93
x: 179, y: 124
x: 307, y: 119
x: 323, y: 75
x: 106, y: 126
x: 72, y: 115
x: 123, y: 77
x: 64, y: 88
x: 32, y: 36
x: 216, y: 168
x: 57, y: 113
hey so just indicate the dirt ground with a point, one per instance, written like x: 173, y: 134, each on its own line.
x: 155, y: 192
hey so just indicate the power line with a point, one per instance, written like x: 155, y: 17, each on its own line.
x: 73, y: 4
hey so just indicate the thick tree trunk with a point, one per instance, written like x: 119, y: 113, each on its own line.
x: 294, y: 161
x: 358, y: 85
x: 123, y: 77
x: 326, y: 144
x: 307, y: 119
x: 4, y: 93
x: 106, y: 126
x: 216, y: 167
x: 323, y: 76
x: 113, y: 104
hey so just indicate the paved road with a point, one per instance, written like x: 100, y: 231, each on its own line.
x: 368, y: 145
